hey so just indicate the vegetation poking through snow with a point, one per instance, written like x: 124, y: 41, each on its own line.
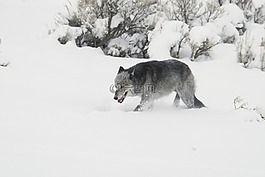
x: 133, y: 28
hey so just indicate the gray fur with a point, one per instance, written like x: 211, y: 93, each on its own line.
x: 155, y: 79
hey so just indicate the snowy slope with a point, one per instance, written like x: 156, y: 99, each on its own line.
x: 58, y: 118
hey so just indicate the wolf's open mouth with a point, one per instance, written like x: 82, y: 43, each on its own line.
x: 122, y: 98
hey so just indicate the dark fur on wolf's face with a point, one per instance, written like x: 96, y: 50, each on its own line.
x: 123, y: 85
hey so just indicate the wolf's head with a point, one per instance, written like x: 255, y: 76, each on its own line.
x: 123, y: 84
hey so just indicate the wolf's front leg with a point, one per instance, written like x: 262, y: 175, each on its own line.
x: 146, y: 103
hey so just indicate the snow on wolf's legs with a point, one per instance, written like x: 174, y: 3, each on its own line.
x: 146, y: 103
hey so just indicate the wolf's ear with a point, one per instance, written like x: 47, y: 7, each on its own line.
x: 121, y: 69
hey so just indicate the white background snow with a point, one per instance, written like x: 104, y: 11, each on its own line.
x: 58, y: 118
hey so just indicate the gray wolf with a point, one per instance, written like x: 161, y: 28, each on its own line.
x: 154, y: 79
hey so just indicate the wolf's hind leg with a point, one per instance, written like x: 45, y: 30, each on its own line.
x: 176, y: 100
x: 188, y: 99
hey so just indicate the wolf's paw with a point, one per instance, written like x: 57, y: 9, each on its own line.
x: 138, y: 108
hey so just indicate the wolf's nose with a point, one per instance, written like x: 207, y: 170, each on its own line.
x: 115, y: 98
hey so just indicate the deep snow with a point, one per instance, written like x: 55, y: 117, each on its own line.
x: 58, y: 118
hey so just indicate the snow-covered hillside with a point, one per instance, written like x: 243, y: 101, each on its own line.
x: 58, y: 117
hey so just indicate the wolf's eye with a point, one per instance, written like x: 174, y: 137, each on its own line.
x: 121, y: 86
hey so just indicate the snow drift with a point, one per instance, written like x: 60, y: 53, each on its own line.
x: 58, y: 118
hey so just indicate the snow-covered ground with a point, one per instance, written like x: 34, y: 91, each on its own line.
x: 58, y: 117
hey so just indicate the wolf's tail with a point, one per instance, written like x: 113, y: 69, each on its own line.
x: 198, y: 103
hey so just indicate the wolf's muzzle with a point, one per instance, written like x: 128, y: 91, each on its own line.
x: 120, y: 100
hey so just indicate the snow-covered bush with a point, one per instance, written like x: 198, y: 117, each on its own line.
x: 201, y: 40
x: 183, y: 10
x: 134, y: 46
x: 259, y: 11
x: 226, y: 31
x: 209, y: 12
x: 65, y: 33
x: 229, y: 25
x: 244, y: 52
x: 229, y: 34
x: 254, y: 10
x: 192, y: 12
x: 232, y: 14
x: 101, y: 21
x: 110, y: 19
x: 178, y: 28
x: 117, y: 47
x: 167, y: 37
x: 250, y: 47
